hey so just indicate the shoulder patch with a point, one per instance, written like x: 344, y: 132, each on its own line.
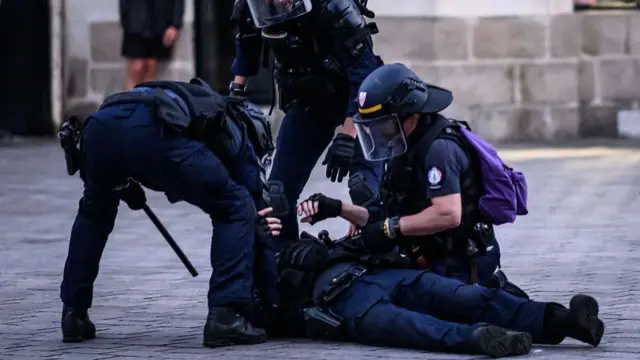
x: 434, y: 176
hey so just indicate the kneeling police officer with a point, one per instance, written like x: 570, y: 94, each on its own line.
x: 339, y: 291
x: 432, y: 184
x: 189, y: 142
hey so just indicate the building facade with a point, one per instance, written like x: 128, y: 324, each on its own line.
x: 526, y: 70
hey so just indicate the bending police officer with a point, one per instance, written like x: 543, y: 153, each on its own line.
x: 432, y: 184
x: 177, y: 138
x: 323, y: 51
x: 377, y: 299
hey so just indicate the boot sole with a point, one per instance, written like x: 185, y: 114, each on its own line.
x: 88, y: 333
x: 74, y: 338
x: 497, y: 343
x: 233, y: 341
x: 586, y: 315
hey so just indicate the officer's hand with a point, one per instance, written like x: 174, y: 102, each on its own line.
x: 267, y: 226
x: 375, y: 238
x: 319, y: 207
x: 339, y: 157
x: 133, y: 195
x: 237, y: 95
x: 353, y: 230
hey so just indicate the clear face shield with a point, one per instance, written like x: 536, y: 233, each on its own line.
x: 273, y: 12
x: 381, y: 138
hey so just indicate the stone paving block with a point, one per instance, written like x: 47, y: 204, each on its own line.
x: 106, y: 42
x: 148, y: 306
x: 108, y: 81
x: 549, y: 83
x: 634, y: 33
x: 473, y: 84
x: 500, y: 124
x: 509, y: 37
x: 566, y: 35
x: 619, y: 79
x: 183, y: 48
x: 604, y: 33
x: 586, y: 80
x: 81, y: 110
x: 77, y: 70
x: 564, y: 123
x: 423, y: 39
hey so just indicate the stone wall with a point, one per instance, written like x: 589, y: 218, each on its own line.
x: 515, y: 78
x: 525, y: 78
x: 93, y: 67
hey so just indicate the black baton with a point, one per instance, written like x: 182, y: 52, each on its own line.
x: 154, y: 219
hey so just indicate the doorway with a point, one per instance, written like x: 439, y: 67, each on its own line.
x: 25, y: 67
x: 215, y: 50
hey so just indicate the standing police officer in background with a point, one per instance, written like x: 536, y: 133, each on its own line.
x: 323, y: 51
x: 178, y: 138
x: 429, y: 202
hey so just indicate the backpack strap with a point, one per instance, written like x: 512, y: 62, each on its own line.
x: 424, y: 144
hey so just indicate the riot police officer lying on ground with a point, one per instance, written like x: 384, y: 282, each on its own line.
x: 191, y: 143
x: 323, y: 51
x: 444, y: 188
x: 342, y: 292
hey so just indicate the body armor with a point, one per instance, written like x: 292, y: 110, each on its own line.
x: 313, y: 51
x: 405, y: 192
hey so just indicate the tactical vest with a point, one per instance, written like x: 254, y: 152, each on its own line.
x: 313, y: 51
x: 405, y: 191
x: 206, y: 107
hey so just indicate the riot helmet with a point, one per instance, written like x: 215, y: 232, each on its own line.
x: 274, y: 12
x: 386, y: 98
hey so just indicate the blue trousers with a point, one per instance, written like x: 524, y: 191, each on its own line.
x: 304, y: 135
x: 128, y: 141
x: 422, y: 310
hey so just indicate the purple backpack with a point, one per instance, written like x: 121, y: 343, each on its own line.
x: 505, y: 190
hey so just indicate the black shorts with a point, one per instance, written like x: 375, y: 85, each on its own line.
x: 140, y: 47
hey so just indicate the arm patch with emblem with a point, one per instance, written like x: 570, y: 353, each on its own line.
x: 445, y: 162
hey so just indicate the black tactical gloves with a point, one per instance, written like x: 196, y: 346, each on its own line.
x: 339, y: 157
x: 237, y: 93
x: 327, y: 208
x: 133, y: 195
x: 379, y: 236
x: 263, y: 232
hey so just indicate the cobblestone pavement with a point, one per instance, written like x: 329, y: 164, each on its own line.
x: 582, y: 234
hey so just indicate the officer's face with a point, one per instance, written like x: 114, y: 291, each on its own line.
x: 287, y: 4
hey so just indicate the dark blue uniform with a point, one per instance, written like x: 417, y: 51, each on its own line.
x: 311, y: 118
x: 445, y: 163
x: 423, y: 310
x: 129, y: 141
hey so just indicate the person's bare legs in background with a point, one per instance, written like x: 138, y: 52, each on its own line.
x: 136, y: 72
x: 150, y: 30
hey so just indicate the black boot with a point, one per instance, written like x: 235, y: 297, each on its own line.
x: 76, y: 325
x: 225, y: 327
x: 497, y: 342
x: 579, y: 322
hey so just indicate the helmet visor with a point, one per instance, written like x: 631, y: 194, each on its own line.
x: 273, y: 12
x: 381, y: 138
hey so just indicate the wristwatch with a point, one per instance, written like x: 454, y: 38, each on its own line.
x: 234, y: 86
x: 392, y: 227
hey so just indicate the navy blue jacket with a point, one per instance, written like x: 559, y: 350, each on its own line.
x: 249, y: 56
